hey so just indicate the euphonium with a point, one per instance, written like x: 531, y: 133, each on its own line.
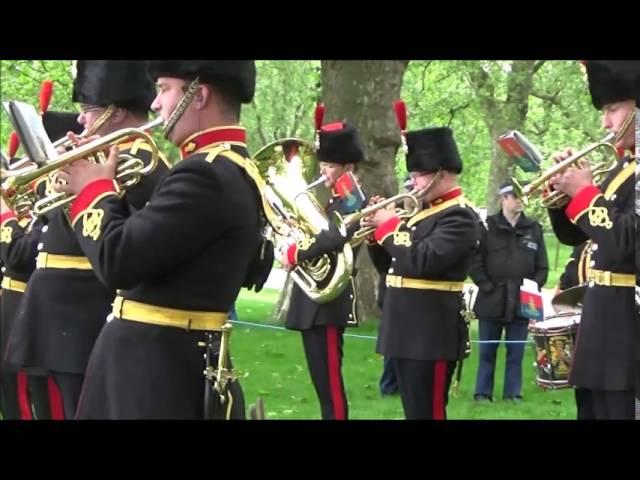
x: 294, y: 213
x: 16, y: 184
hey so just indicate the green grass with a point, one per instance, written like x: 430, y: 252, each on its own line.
x: 271, y: 364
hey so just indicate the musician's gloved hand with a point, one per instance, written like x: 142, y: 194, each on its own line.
x: 563, y: 155
x: 572, y: 180
x: 284, y: 259
x: 381, y: 216
x: 82, y: 172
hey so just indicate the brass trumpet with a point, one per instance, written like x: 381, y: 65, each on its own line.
x: 414, y: 196
x: 16, y: 184
x: 557, y: 199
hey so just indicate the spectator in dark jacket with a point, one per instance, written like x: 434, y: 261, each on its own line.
x: 512, y: 249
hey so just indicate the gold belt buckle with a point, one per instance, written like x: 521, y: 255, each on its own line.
x: 41, y: 260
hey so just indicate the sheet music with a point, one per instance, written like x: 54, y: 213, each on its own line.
x: 28, y: 125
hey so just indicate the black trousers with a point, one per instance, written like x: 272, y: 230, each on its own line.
x: 584, y: 404
x: 27, y: 397
x: 9, y: 396
x: 424, y: 387
x: 39, y: 396
x: 605, y: 405
x: 323, y: 349
x: 69, y: 386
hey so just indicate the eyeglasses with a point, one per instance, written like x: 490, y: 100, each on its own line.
x: 88, y: 108
x: 414, y: 175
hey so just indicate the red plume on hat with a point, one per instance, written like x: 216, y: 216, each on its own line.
x: 14, y: 144
x: 46, y: 92
x: 319, y: 117
x: 400, y: 109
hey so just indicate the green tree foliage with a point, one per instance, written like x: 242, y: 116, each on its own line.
x: 558, y: 112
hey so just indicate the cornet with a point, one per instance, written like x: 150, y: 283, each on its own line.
x: 414, y: 196
x: 16, y: 183
x: 557, y: 199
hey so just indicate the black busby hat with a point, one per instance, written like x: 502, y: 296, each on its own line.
x: 57, y: 124
x: 613, y: 81
x: 339, y: 143
x: 123, y: 83
x: 432, y: 149
x: 236, y: 76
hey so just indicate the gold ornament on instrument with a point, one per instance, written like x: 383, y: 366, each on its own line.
x: 16, y: 184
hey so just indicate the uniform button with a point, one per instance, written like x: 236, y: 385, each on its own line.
x: 350, y: 315
x: 613, y: 197
x: 109, y: 317
x: 45, y: 228
x: 594, y: 247
x: 390, y: 270
x: 393, y: 259
x: 4, y: 269
x: 593, y: 263
x: 592, y: 283
x: 413, y: 229
x: 40, y: 246
x: 624, y: 165
x: 351, y: 297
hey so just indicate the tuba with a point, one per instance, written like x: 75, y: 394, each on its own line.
x: 294, y: 213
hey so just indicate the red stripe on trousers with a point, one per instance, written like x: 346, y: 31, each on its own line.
x: 334, y: 373
x: 439, y: 381
x: 23, y: 397
x: 55, y: 400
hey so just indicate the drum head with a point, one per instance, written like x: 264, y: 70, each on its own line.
x: 569, y: 300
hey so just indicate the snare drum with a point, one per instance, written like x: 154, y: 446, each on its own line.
x: 554, y: 342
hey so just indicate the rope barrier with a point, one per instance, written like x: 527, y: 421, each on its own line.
x: 369, y: 337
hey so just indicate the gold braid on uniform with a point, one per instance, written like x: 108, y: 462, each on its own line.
x: 628, y: 121
x: 182, y: 106
x: 102, y: 119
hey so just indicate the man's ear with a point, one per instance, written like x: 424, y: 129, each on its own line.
x: 201, y: 97
x: 118, y: 115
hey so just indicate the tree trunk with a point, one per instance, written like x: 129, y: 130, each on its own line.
x: 362, y: 93
x: 503, y: 115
